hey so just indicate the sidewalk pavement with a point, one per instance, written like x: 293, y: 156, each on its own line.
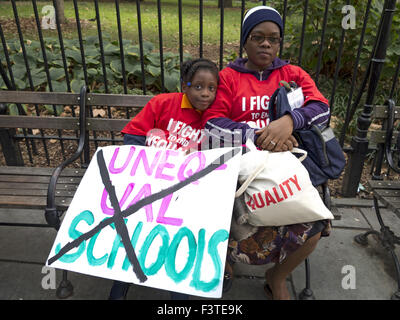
x: 24, y: 250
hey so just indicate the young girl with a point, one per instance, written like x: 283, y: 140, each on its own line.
x: 173, y: 121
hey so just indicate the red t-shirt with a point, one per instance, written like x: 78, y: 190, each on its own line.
x: 244, y: 98
x: 168, y: 121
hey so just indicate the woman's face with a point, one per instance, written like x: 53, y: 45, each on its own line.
x: 262, y: 45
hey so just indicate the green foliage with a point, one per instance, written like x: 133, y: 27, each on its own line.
x: 95, y: 79
x: 133, y: 72
x: 333, y: 34
x: 330, y: 54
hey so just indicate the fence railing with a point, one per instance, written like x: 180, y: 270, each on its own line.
x: 332, y: 40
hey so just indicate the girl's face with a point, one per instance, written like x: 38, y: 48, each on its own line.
x: 262, y: 45
x: 202, y: 90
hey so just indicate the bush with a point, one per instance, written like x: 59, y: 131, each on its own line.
x: 133, y: 71
x: 333, y: 34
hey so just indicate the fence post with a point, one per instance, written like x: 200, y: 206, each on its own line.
x: 359, y: 142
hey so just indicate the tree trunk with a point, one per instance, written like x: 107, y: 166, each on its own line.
x: 60, y: 11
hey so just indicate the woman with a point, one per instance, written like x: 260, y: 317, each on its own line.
x: 244, y: 90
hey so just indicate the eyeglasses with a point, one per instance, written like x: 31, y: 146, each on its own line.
x: 260, y: 39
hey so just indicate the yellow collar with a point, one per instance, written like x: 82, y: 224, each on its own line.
x: 185, y: 104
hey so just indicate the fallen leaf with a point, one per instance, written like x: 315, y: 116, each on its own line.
x: 99, y: 113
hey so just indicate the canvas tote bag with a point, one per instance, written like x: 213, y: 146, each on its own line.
x: 277, y: 189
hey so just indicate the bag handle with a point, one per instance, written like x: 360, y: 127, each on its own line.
x: 250, y: 179
x: 250, y: 144
x: 298, y: 150
x: 261, y: 167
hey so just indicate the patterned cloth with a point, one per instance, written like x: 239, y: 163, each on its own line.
x: 274, y: 244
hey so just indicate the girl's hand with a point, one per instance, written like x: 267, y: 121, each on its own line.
x: 277, y: 136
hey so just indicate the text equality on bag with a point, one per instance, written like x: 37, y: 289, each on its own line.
x: 284, y: 190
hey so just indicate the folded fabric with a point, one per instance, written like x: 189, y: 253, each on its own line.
x: 240, y: 229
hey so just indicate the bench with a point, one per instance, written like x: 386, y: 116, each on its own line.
x: 52, y: 189
x: 384, y: 189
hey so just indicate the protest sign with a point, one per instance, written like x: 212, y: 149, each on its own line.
x: 153, y: 217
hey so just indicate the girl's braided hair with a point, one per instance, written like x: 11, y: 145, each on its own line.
x: 190, y: 67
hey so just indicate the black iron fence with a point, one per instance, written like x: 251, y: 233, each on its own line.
x: 140, y: 52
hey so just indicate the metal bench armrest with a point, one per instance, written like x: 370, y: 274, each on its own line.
x: 51, y: 214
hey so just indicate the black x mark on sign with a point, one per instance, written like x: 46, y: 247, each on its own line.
x: 118, y: 217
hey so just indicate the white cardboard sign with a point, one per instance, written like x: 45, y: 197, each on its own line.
x: 173, y: 210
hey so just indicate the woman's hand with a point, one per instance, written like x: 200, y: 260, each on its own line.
x: 288, y: 145
x: 277, y: 136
